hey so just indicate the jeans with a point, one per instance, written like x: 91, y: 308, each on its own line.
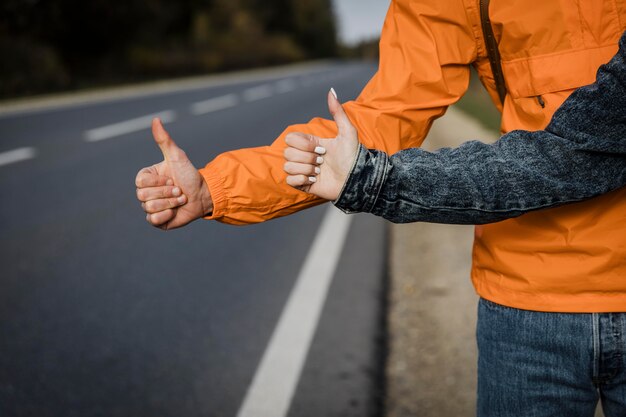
x: 534, y: 364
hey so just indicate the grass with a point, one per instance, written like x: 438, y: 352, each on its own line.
x: 477, y: 104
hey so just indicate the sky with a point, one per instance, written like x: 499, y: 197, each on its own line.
x: 360, y: 19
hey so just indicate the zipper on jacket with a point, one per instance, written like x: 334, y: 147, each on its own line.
x: 541, y: 102
x: 492, y: 50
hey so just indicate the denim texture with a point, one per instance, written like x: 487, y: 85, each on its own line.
x: 536, y: 364
x: 580, y: 154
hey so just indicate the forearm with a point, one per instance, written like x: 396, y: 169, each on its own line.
x: 479, y: 183
x: 248, y: 185
x: 581, y: 154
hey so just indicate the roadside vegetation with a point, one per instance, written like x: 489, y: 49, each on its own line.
x: 476, y: 103
x: 53, y: 45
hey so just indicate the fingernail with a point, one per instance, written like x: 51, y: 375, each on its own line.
x: 148, y: 217
x: 319, y: 160
x: 332, y: 90
x: 312, y: 179
x: 181, y: 199
x: 169, y: 182
x: 318, y: 170
x: 176, y: 191
x: 320, y: 150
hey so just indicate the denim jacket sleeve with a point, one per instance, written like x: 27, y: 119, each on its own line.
x: 580, y: 154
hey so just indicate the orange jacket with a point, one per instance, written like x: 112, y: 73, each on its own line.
x: 567, y: 259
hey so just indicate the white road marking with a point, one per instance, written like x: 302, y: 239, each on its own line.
x: 127, y: 126
x: 17, y: 155
x: 285, y: 86
x: 258, y: 93
x: 277, y: 375
x: 214, y: 104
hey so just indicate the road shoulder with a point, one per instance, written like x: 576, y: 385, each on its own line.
x: 431, y: 363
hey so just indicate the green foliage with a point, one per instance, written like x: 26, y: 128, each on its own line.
x: 477, y: 104
x: 367, y: 49
x: 69, y: 43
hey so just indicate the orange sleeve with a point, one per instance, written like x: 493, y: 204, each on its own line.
x: 425, y: 50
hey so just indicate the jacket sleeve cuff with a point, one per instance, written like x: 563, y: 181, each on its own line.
x: 366, y: 179
x: 215, y: 183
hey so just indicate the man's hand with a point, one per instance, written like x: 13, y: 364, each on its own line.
x: 172, y: 192
x: 321, y: 166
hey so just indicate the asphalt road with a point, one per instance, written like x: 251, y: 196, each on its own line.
x: 102, y: 315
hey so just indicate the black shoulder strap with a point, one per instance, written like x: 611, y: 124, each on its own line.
x: 492, y: 50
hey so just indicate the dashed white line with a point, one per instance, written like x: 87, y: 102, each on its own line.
x: 127, y: 126
x: 17, y: 155
x: 285, y: 86
x: 202, y: 107
x: 277, y: 375
x: 258, y: 92
x: 214, y: 104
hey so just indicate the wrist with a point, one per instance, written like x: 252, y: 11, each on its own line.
x: 206, y: 202
x: 365, y: 181
x: 347, y: 171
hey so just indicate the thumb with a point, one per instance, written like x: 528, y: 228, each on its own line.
x: 167, y: 145
x: 344, y: 126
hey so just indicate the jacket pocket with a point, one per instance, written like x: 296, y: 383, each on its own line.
x: 535, y: 76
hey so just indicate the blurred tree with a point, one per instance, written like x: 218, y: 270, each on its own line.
x: 77, y: 42
x: 314, y: 26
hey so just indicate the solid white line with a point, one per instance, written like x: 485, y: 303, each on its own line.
x: 127, y: 126
x: 258, y: 93
x: 214, y: 104
x: 285, y: 86
x: 17, y: 155
x: 277, y: 375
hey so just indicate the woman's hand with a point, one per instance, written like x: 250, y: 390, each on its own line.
x: 321, y: 166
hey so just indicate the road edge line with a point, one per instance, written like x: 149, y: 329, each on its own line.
x: 278, y: 373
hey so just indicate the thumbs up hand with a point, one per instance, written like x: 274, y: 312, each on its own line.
x: 172, y: 192
x: 321, y: 166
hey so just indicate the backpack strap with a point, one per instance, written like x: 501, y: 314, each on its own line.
x: 492, y: 50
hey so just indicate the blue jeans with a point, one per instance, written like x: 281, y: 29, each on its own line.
x: 533, y: 364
